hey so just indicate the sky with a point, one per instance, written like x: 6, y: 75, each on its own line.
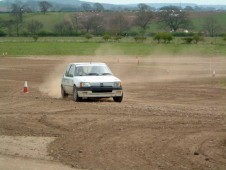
x: 198, y: 2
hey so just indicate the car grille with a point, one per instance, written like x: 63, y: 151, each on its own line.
x: 104, y: 89
x: 105, y: 84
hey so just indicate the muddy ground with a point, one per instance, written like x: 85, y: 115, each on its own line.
x: 173, y: 116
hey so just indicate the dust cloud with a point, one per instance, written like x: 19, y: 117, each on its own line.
x: 158, y: 67
x: 134, y: 69
x: 166, y: 68
x: 107, y: 51
x: 51, y: 83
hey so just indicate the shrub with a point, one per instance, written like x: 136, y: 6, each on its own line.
x: 182, y: 34
x: 197, y: 38
x: 224, y: 38
x: 117, y: 37
x: 35, y: 38
x: 25, y: 34
x: 88, y: 36
x: 44, y: 33
x: 106, y: 37
x: 140, y: 38
x: 188, y: 40
x: 167, y: 37
x: 2, y: 33
x: 158, y: 37
x: 164, y: 36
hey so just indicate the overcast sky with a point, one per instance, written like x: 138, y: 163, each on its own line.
x: 202, y: 2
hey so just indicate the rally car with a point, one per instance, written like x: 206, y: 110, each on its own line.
x: 90, y: 80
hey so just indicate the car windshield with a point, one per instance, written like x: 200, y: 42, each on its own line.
x: 92, y: 71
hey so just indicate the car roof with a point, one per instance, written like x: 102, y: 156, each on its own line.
x: 89, y: 64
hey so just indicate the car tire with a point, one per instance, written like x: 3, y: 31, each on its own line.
x: 76, y: 98
x: 63, y: 93
x: 118, y: 99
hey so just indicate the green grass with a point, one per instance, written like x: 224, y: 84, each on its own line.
x: 63, y: 46
x: 48, y: 48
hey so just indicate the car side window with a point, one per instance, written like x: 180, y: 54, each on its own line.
x: 70, y: 72
x: 67, y: 70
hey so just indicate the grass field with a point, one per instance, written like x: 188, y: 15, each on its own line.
x: 58, y: 46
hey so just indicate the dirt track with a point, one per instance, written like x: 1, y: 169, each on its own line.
x: 173, y: 116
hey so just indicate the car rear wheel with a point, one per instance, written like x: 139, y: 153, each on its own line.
x: 75, y: 95
x: 63, y: 93
x: 118, y: 99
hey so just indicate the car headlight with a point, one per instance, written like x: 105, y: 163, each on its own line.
x: 117, y: 84
x: 85, y: 84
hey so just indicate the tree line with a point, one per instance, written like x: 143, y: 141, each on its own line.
x: 170, y: 19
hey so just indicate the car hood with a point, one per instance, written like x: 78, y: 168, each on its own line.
x: 97, y: 79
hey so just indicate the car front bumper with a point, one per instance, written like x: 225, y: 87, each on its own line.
x: 86, y: 92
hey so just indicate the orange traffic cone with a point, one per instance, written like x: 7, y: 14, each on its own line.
x: 25, y: 87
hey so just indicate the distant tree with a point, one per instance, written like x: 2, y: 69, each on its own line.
x: 34, y: 26
x: 211, y: 26
x: 188, y: 8
x: 68, y: 25
x: 60, y: 28
x: 173, y: 18
x: 143, y: 7
x: 97, y: 24
x: 32, y: 5
x: 7, y: 25
x: 18, y: 9
x: 86, y: 7
x: 44, y: 6
x: 86, y: 25
x: 119, y: 24
x: 98, y: 7
x: 198, y: 8
x: 65, y: 27
x: 75, y: 21
x: 2, y: 25
x: 93, y: 23
x: 144, y: 18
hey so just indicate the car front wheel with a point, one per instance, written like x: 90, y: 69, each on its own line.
x: 63, y: 93
x: 118, y: 99
x: 75, y: 95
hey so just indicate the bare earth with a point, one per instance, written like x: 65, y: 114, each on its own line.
x: 173, y: 116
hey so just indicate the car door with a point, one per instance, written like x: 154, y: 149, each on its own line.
x: 68, y: 79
